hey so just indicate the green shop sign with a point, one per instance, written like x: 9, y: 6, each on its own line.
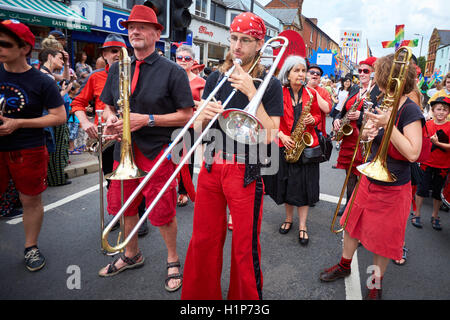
x: 68, y: 23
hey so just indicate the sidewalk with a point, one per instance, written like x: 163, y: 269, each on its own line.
x: 81, y: 164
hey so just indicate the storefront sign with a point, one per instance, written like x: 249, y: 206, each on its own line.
x: 70, y: 24
x: 204, y: 29
x: 111, y: 21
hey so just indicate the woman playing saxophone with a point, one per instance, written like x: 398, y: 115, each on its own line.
x: 296, y: 184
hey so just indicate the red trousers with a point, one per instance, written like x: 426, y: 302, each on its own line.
x: 223, y: 186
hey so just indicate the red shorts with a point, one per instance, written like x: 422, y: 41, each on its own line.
x: 27, y: 168
x: 165, y: 209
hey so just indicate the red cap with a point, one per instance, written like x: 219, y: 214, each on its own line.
x: 369, y: 61
x: 20, y: 30
x: 141, y: 13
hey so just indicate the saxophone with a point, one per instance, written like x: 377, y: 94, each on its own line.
x: 302, y: 139
x: 346, y: 129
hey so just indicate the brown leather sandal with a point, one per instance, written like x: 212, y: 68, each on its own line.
x: 131, y: 263
x: 175, y: 264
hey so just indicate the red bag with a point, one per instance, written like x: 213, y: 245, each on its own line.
x: 424, y: 153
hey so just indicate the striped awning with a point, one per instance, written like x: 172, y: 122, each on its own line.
x: 43, y: 12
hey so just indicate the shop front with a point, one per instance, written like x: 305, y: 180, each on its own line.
x: 43, y: 16
x: 210, y: 41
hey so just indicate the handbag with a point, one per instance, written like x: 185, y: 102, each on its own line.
x: 311, y: 155
x: 426, y: 146
x: 325, y: 145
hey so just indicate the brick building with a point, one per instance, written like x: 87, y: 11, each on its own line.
x: 439, y: 38
x: 290, y: 14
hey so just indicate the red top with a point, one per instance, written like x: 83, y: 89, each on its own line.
x: 326, y: 96
x: 197, y: 85
x: 287, y: 120
x: 92, y: 90
x: 438, y: 158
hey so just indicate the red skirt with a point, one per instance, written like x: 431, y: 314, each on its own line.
x: 379, y: 216
x: 346, y: 153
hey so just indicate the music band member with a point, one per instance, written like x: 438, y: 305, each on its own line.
x: 381, y: 209
x: 437, y: 166
x: 90, y: 92
x: 230, y: 180
x: 23, y: 153
x: 296, y: 184
x: 347, y: 146
x: 160, y: 101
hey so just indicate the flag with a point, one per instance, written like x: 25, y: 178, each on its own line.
x: 369, y: 52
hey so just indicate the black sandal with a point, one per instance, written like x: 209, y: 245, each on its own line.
x: 131, y: 263
x: 285, y: 230
x: 303, y: 241
x: 403, y: 257
x: 175, y: 264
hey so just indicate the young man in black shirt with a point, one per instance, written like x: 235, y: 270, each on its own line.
x: 229, y: 181
x: 160, y: 102
x: 23, y: 154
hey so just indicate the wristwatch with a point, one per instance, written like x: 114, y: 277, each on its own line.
x: 151, y: 121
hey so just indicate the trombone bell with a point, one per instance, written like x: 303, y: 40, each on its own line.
x: 377, y: 170
x: 241, y: 126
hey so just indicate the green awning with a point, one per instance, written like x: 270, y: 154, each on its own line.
x: 43, y: 12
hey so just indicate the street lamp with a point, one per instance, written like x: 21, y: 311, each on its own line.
x: 421, y: 41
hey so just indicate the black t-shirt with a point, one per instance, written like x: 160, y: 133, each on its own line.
x: 27, y: 95
x: 272, y: 101
x: 409, y: 113
x: 162, y: 88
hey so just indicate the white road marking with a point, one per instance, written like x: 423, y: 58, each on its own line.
x: 61, y: 202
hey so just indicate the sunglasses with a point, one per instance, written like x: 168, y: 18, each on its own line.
x: 314, y: 73
x: 6, y: 44
x: 114, y: 51
x: 186, y: 58
x: 365, y: 71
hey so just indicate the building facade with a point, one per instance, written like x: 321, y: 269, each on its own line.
x: 438, y: 39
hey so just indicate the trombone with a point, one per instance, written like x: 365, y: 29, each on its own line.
x: 120, y: 246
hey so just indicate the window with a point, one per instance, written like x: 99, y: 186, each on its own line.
x: 312, y: 33
x: 233, y: 15
x: 200, y: 8
x: 218, y: 13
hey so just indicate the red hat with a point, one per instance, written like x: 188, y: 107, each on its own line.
x: 198, y: 66
x: 20, y: 30
x: 250, y: 24
x: 369, y: 61
x: 444, y: 100
x: 141, y: 13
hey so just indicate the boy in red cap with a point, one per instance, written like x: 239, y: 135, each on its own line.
x: 231, y: 181
x: 23, y: 154
x: 160, y: 101
x: 437, y: 166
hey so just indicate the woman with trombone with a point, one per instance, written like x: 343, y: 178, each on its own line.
x: 380, y: 209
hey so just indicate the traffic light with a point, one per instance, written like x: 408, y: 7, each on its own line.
x: 162, y: 10
x: 180, y: 19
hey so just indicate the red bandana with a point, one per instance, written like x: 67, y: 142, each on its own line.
x: 249, y: 24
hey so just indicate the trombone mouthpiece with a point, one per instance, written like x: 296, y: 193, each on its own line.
x: 237, y: 60
x: 372, y: 75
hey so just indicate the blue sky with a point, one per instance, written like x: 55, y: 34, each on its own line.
x: 377, y: 20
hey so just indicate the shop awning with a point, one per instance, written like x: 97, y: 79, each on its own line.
x: 44, y: 13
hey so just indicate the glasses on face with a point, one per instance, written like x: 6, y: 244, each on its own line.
x: 186, y: 58
x: 365, y: 71
x: 6, y: 44
x: 314, y: 73
x: 244, y: 41
x: 113, y: 50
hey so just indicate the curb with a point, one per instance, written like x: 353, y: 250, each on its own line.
x: 80, y: 169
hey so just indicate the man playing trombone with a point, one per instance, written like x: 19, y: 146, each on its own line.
x: 160, y: 101
x: 229, y: 180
